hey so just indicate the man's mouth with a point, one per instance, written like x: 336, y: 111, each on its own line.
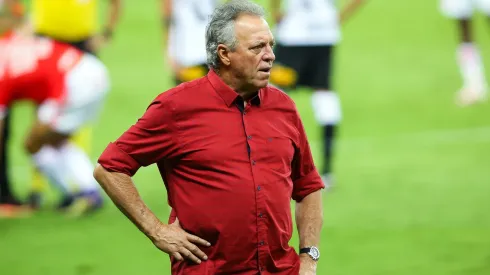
x: 265, y: 70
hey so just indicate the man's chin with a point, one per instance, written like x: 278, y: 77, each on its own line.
x: 262, y: 83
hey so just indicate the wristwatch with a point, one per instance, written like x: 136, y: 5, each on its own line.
x: 312, y: 251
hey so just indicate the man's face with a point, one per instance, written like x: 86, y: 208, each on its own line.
x: 252, y: 59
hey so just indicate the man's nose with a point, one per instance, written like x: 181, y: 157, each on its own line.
x: 269, y: 55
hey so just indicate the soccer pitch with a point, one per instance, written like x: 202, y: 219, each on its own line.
x: 412, y: 169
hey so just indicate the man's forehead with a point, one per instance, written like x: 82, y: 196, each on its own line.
x: 252, y: 27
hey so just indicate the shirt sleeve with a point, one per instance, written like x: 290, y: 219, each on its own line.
x: 306, y: 179
x: 148, y: 141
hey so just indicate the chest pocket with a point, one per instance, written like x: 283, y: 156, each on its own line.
x: 279, y: 154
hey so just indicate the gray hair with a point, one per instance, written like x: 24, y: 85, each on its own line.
x: 221, y: 28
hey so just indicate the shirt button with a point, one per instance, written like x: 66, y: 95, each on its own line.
x: 258, y: 188
x: 261, y: 268
x: 261, y: 243
x: 249, y: 137
x: 260, y: 215
x: 253, y: 162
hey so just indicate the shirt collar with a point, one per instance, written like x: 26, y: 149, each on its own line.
x: 227, y: 94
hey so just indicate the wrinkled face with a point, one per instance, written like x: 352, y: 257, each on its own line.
x: 252, y: 59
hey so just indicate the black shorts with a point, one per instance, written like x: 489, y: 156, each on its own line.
x: 191, y: 73
x: 307, y: 66
x: 82, y: 45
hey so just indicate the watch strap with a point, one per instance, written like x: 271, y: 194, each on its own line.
x: 304, y: 250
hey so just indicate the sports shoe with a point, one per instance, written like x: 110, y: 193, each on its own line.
x: 471, y: 95
x: 86, y: 203
x: 34, y: 200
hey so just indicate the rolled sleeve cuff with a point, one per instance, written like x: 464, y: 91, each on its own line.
x: 306, y: 185
x: 114, y: 159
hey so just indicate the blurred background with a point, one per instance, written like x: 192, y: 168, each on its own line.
x: 412, y: 177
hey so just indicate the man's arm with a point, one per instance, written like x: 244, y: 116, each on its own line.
x: 113, y: 18
x: 151, y: 139
x: 309, y: 221
x: 166, y: 10
x: 166, y: 13
x: 120, y: 188
x: 307, y: 192
x: 100, y: 40
x: 171, y: 239
x: 275, y: 6
x: 350, y: 9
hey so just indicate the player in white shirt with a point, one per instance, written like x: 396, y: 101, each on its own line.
x: 468, y: 55
x: 306, y: 34
x: 185, y: 25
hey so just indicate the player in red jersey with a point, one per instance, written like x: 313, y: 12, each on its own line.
x: 68, y: 88
x: 9, y: 204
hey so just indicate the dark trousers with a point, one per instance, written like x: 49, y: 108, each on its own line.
x: 5, y: 191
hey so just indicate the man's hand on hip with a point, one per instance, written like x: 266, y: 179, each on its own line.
x: 173, y: 240
x: 307, y: 265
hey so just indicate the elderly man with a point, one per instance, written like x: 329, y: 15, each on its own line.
x: 232, y: 152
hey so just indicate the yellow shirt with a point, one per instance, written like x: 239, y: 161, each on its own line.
x: 67, y: 20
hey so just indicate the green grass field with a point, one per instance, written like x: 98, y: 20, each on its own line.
x: 412, y: 168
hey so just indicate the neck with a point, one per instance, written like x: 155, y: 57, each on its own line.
x: 245, y: 91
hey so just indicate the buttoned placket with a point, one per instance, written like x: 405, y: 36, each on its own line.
x: 245, y: 110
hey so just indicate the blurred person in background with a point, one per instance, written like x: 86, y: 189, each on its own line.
x: 233, y: 153
x: 74, y: 22
x: 68, y: 88
x: 185, y: 23
x: 307, y: 33
x: 468, y: 55
x: 11, y: 14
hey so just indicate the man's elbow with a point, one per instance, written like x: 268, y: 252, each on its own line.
x: 99, y: 173
x: 312, y: 202
x: 314, y: 197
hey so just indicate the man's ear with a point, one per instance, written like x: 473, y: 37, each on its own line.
x: 224, y: 54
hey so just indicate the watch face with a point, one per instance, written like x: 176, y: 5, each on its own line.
x: 314, y: 253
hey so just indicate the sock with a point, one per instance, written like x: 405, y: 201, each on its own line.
x: 79, y: 167
x: 327, y: 110
x: 471, y: 66
x: 5, y: 192
x: 326, y: 107
x: 328, y: 138
x: 39, y: 183
x: 48, y: 160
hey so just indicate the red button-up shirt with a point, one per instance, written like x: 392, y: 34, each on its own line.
x: 230, y: 171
